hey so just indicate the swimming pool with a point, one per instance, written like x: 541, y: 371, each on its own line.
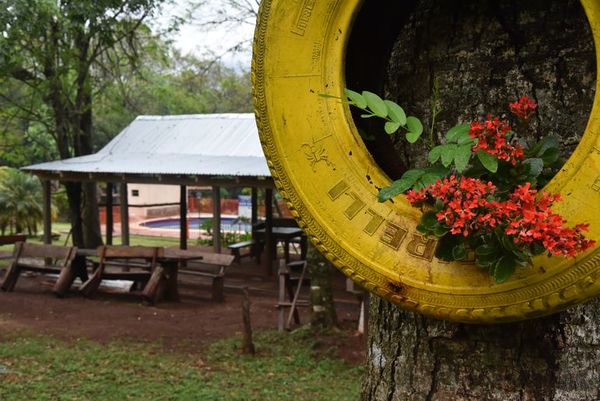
x: 195, y: 223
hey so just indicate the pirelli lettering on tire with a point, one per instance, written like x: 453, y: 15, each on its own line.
x: 330, y: 181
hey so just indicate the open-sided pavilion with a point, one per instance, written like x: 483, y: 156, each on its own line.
x: 216, y: 150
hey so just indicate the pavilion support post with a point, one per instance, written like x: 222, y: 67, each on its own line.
x: 47, y: 212
x: 109, y: 213
x: 254, y: 199
x: 123, y: 195
x: 183, y: 223
x: 269, y: 245
x: 216, y: 221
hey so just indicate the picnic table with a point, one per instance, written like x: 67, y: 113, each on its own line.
x: 285, y: 235
x: 162, y: 281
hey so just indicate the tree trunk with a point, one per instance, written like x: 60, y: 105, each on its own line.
x: 413, y: 358
x: 471, y: 58
x: 321, y: 291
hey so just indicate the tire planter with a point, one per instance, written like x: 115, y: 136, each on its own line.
x: 330, y: 181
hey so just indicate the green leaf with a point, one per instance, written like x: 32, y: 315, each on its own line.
x: 549, y: 142
x: 400, y: 186
x: 429, y: 220
x: 432, y: 174
x: 376, y: 104
x: 395, y: 112
x: 550, y: 156
x: 462, y: 155
x: 440, y: 231
x: 486, y: 260
x: 504, y: 268
x: 448, y: 154
x: 422, y: 229
x: 356, y: 98
x: 535, y: 166
x: 488, y: 161
x: 486, y: 249
x: 459, y: 252
x: 412, y: 137
x: 435, y: 154
x: 537, y: 248
x: 445, y: 246
x: 415, y: 129
x: 464, y: 138
x: 457, y: 130
x: 391, y: 127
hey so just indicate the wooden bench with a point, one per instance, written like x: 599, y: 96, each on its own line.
x: 41, y: 259
x: 239, y: 246
x: 208, y: 265
x: 133, y: 263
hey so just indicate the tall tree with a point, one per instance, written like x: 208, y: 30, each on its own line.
x: 55, y: 49
x: 476, y: 56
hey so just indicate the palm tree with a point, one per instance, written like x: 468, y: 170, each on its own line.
x: 20, y: 202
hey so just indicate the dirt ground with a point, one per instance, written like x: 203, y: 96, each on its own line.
x: 184, y: 326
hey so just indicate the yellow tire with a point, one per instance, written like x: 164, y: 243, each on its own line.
x: 329, y: 180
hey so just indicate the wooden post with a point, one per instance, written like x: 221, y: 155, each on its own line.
x: 247, y: 344
x: 47, y: 211
x: 109, y: 213
x: 216, y: 221
x: 254, y: 209
x: 123, y: 196
x: 183, y: 217
x: 269, y: 248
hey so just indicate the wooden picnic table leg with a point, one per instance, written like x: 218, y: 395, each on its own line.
x: 171, y: 289
x: 286, y: 250
x: 152, y: 288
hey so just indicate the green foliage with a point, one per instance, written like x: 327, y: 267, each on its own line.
x: 394, y: 115
x: 20, y: 202
x: 285, y: 367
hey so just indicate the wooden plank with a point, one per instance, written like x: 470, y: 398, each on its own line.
x: 167, y: 179
x: 254, y: 207
x: 269, y: 245
x: 47, y: 211
x: 12, y: 239
x: 200, y: 256
x: 12, y: 273
x: 130, y: 251
x: 216, y: 221
x: 124, y: 202
x: 293, y: 311
x: 109, y: 213
x: 45, y: 251
x: 183, y: 223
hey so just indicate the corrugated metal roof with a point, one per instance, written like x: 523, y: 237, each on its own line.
x: 199, y: 144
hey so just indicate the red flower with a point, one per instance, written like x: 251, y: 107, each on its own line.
x: 471, y: 210
x: 491, y: 138
x: 467, y: 209
x: 523, y: 108
x: 529, y: 220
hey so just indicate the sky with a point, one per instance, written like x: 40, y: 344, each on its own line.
x: 198, y: 40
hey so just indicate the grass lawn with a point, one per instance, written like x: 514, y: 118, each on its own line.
x: 286, y: 367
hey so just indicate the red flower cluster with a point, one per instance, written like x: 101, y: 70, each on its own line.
x: 491, y: 138
x: 523, y: 108
x: 470, y: 208
x: 467, y: 208
x: 530, y: 220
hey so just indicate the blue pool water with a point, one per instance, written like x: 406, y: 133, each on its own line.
x: 194, y: 223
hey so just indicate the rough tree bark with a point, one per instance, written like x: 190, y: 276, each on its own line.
x: 482, y: 55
